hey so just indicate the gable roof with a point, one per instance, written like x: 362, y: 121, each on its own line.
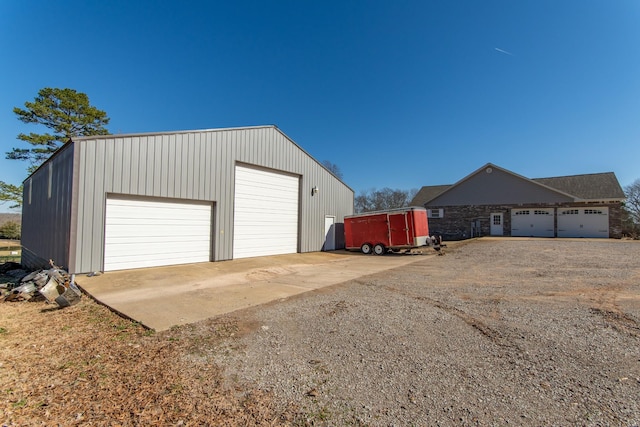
x: 428, y: 193
x: 598, y: 186
x: 74, y: 140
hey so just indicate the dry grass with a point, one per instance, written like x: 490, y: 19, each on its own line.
x: 86, y: 365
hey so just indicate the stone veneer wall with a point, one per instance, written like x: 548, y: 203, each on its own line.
x: 456, y: 222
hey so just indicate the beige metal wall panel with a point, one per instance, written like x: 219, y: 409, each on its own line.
x: 46, y: 211
x: 198, y: 165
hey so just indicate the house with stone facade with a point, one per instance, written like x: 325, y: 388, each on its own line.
x: 493, y: 201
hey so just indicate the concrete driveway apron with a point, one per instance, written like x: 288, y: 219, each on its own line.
x: 165, y: 296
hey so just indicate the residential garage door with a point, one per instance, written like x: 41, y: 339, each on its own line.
x: 532, y: 222
x: 266, y: 207
x: 583, y: 222
x: 151, y: 232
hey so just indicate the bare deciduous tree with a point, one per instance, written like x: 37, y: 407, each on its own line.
x: 632, y: 203
x: 333, y: 168
x: 383, y: 199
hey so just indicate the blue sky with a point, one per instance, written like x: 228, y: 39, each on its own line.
x: 398, y: 94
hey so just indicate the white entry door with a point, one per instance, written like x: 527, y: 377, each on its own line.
x: 329, y: 233
x: 497, y: 227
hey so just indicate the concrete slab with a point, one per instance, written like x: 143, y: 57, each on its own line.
x: 165, y: 296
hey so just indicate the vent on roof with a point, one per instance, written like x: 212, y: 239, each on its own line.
x: 488, y: 170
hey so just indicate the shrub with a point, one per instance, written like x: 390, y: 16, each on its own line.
x: 10, y: 230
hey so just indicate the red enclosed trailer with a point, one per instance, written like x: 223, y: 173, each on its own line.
x: 380, y: 231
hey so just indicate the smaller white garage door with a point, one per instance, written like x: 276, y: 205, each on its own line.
x: 150, y: 232
x: 583, y: 222
x: 531, y: 222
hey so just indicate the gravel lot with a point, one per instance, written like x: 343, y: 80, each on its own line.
x: 496, y: 332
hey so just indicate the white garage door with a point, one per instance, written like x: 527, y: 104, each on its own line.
x: 150, y: 232
x: 265, y: 213
x: 582, y: 222
x: 532, y: 222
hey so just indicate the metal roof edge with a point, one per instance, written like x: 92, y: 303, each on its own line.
x: 383, y: 211
x: 174, y: 132
x: 52, y: 156
x: 310, y: 156
x: 71, y: 141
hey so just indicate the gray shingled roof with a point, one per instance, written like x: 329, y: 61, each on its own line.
x: 597, y: 186
x: 428, y: 193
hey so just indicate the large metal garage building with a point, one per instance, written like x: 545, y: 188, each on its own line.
x: 114, y: 202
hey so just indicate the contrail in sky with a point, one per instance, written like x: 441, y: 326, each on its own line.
x: 503, y: 51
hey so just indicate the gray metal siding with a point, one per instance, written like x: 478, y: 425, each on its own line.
x: 197, y: 166
x: 46, y: 211
x: 495, y: 188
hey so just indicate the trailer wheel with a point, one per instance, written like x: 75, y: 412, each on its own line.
x: 366, y: 248
x: 379, y: 249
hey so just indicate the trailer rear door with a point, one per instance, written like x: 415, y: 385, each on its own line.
x: 398, y: 230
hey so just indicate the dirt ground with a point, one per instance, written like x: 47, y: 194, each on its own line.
x: 496, y: 332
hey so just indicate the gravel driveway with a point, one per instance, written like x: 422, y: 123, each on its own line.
x: 496, y: 332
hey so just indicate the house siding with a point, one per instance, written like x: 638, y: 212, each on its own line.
x: 198, y: 165
x: 497, y: 188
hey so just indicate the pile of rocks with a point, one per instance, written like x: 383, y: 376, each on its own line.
x: 55, y: 285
